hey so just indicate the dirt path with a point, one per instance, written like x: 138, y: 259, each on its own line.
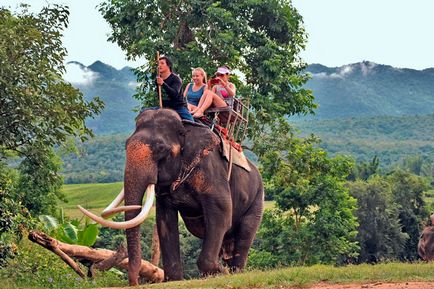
x: 377, y: 285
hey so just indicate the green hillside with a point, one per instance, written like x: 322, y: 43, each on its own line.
x: 370, y: 89
x: 391, y: 138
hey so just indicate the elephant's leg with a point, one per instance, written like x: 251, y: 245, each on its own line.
x: 168, y: 232
x: 218, y: 218
x: 134, y: 255
x: 245, y: 234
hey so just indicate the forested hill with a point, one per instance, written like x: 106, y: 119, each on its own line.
x: 370, y: 89
x: 114, y: 87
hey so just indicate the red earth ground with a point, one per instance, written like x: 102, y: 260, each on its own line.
x: 376, y: 285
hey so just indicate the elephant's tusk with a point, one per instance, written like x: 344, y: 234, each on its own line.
x: 114, y: 203
x: 107, y: 213
x: 150, y: 194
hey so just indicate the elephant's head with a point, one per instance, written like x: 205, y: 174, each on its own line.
x: 153, y: 154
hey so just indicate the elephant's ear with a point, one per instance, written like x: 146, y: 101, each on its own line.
x: 199, y: 141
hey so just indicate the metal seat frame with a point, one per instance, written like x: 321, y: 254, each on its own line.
x: 234, y: 117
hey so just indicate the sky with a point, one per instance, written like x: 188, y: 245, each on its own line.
x: 340, y: 32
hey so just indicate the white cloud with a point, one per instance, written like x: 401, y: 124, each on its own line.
x: 341, y: 73
x: 77, y: 74
x: 366, y: 67
x: 346, y: 69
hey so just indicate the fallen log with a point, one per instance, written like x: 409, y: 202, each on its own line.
x: 101, y: 259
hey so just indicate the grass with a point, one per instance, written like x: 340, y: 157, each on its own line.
x: 302, y: 277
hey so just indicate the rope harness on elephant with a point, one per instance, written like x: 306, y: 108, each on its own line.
x: 187, y: 170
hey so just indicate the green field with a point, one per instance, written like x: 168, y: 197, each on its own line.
x: 91, y: 196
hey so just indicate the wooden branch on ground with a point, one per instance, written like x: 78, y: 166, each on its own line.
x: 102, y: 259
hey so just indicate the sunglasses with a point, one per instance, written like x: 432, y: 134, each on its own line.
x: 219, y: 74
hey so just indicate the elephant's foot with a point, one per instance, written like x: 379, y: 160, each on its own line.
x: 208, y: 268
x: 237, y: 264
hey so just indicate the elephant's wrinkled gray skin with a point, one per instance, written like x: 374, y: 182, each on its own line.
x: 226, y: 215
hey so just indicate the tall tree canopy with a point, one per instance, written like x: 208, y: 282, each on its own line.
x: 37, y: 107
x: 262, y: 39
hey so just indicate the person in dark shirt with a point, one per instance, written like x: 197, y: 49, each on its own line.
x: 171, y: 85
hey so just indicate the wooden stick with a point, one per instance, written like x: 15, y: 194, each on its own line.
x: 147, y: 270
x: 159, y: 86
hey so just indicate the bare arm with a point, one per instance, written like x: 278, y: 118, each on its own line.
x: 186, y: 89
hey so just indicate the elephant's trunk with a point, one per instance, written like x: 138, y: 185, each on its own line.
x: 140, y: 173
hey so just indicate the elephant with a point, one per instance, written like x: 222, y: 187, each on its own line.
x: 181, y: 162
x: 425, y: 247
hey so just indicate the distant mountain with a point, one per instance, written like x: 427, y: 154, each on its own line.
x: 353, y: 90
x: 115, y: 87
x: 370, y: 89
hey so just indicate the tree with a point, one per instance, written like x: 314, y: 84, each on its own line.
x: 316, y: 210
x: 408, y: 192
x: 37, y: 107
x: 380, y: 232
x: 38, y: 110
x: 364, y: 170
x: 262, y: 39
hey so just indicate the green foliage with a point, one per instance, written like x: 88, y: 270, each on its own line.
x: 363, y: 171
x: 35, y: 267
x: 37, y: 108
x: 408, y: 192
x: 14, y: 217
x: 71, y: 232
x: 261, y: 39
x: 39, y: 184
x: 380, y: 232
x: 315, y: 209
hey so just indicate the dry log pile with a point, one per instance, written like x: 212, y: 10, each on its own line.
x: 100, y: 259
